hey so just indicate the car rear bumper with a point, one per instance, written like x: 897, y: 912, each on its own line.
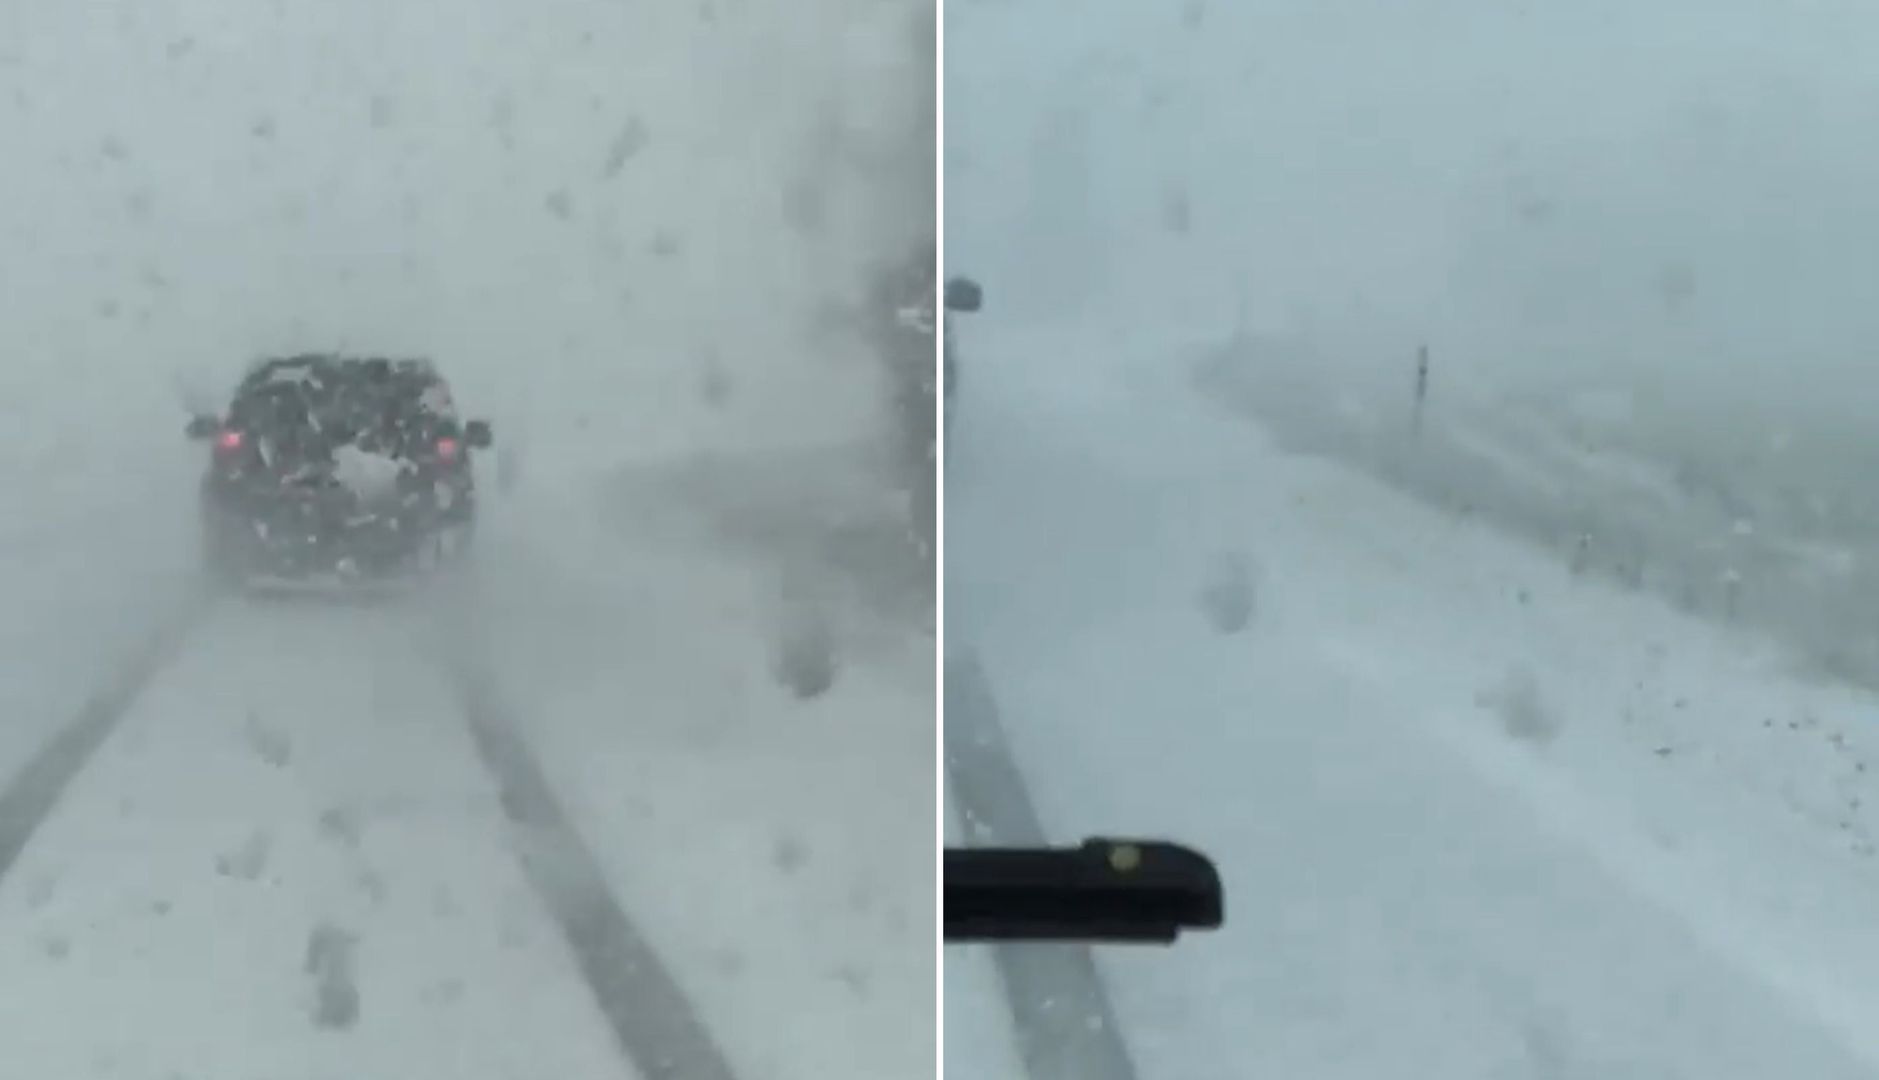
x: 294, y: 551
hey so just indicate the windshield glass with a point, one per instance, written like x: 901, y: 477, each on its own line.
x: 1421, y: 456
x: 594, y: 737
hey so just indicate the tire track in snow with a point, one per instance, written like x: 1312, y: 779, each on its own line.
x: 1065, y: 1023
x: 28, y: 799
x: 652, y: 1019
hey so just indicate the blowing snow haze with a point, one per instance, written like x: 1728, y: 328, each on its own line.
x: 615, y: 226
x: 619, y: 230
x: 1673, y: 200
x: 570, y: 202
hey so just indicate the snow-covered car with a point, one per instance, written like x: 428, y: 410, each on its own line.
x: 334, y: 470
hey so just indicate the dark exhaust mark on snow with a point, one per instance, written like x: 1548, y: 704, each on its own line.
x: 36, y: 788
x: 625, y: 147
x: 273, y: 746
x: 652, y: 1019
x: 372, y: 884
x: 1065, y: 1024
x: 248, y: 861
x: 330, y: 963
x: 341, y: 825
x: 804, y: 659
x: 1523, y: 713
x: 1227, y: 595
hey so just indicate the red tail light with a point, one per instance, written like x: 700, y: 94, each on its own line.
x: 228, y: 440
x: 447, y: 449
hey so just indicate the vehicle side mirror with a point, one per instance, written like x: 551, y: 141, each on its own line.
x: 478, y: 435
x: 202, y: 427
x: 963, y: 294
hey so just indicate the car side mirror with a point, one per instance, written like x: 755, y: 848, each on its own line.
x: 202, y: 427
x: 963, y: 294
x: 478, y: 435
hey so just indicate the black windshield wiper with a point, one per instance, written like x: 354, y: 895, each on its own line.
x: 1102, y: 891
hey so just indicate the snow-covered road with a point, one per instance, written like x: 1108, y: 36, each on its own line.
x: 1476, y: 818
x: 292, y: 778
x: 288, y: 857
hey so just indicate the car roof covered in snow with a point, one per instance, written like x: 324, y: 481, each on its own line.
x: 319, y: 385
x: 329, y: 367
